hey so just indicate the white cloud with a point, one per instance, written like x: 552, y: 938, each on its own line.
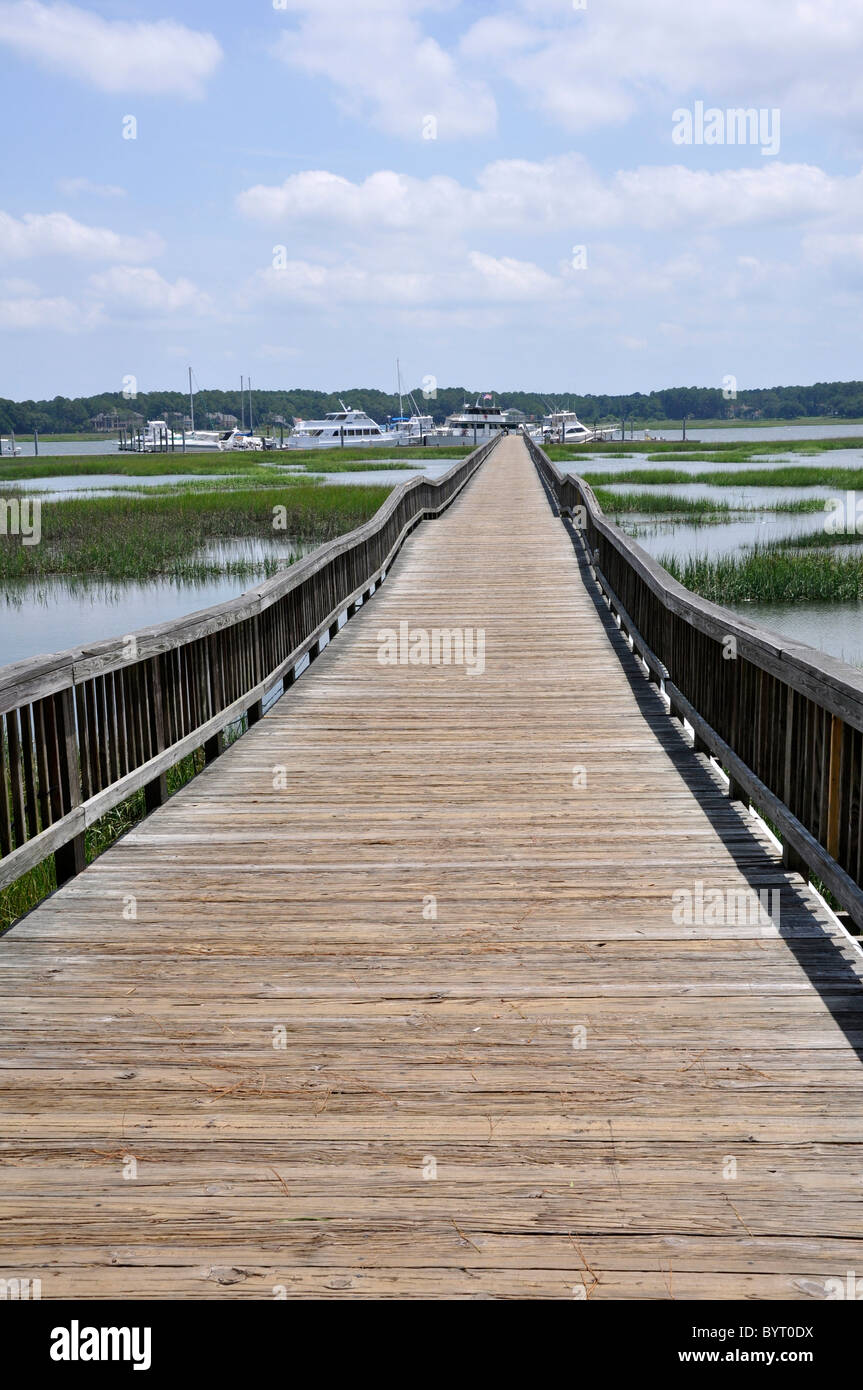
x: 557, y: 194
x: 74, y: 188
x: 35, y: 311
x: 470, y: 278
x: 602, y: 65
x: 57, y: 234
x: 385, y: 68
x: 115, y: 55
x: 142, y: 291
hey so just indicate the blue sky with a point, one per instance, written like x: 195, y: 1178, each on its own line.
x: 491, y: 193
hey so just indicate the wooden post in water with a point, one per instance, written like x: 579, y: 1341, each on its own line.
x: 35, y: 443
x: 684, y: 427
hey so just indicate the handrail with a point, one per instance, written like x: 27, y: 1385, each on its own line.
x: 83, y: 729
x: 785, y: 720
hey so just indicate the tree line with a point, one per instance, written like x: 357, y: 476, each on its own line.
x: 270, y: 408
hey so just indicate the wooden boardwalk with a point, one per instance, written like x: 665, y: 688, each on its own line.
x: 329, y: 1091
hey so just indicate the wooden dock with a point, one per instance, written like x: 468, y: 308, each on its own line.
x: 405, y: 1008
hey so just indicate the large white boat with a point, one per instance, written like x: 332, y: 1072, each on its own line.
x: 203, y: 439
x: 345, y: 426
x: 564, y: 427
x: 479, y: 422
x: 239, y: 439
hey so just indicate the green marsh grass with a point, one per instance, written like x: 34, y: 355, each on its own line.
x: 769, y: 575
x: 795, y: 475
x: 655, y: 503
x: 154, y: 465
x: 142, y: 537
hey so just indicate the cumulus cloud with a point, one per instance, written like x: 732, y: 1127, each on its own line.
x: 459, y: 279
x: 386, y: 68
x: 158, y: 57
x: 581, y: 69
x: 42, y: 311
x: 600, y: 66
x: 57, y: 234
x: 140, y: 290
x: 554, y: 194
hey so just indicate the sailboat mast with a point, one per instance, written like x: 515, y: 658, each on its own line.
x: 251, y: 426
x: 399, y: 375
x: 242, y: 405
x: 191, y: 401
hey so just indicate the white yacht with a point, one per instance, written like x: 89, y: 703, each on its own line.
x: 480, y: 421
x: 564, y: 427
x: 239, y: 439
x: 9, y: 449
x: 413, y: 428
x: 345, y: 426
x: 203, y: 439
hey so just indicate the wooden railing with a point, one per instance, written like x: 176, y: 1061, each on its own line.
x: 83, y: 730
x: 784, y: 721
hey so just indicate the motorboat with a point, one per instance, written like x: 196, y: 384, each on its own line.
x: 479, y: 422
x: 338, y: 427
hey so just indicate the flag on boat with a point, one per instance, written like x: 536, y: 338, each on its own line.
x: 487, y: 396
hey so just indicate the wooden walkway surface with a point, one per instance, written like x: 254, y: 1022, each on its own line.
x: 328, y: 1091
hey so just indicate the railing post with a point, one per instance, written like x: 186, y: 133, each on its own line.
x: 834, y: 786
x: 70, y: 858
x: 156, y: 792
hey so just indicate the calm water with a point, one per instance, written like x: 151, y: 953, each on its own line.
x: 668, y: 536
x: 754, y: 433
x: 836, y: 628
x: 46, y: 616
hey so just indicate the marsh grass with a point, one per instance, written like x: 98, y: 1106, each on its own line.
x: 795, y: 475
x: 768, y: 574
x: 665, y: 503
x: 214, y: 463
x: 731, y: 449
x: 143, y: 537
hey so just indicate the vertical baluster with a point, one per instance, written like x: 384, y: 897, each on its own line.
x: 6, y: 843
x: 70, y: 859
